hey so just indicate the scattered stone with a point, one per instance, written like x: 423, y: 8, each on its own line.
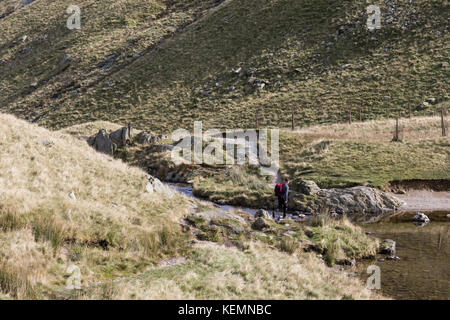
x: 387, y: 247
x: 72, y: 196
x: 149, y: 187
x: 46, y: 143
x: 259, y: 224
x: 237, y: 70
x: 346, y: 262
x: 393, y: 258
x: 155, y: 185
x: 107, y: 63
x: 308, y: 187
x: 172, y: 262
x: 421, y: 217
x: 261, y: 213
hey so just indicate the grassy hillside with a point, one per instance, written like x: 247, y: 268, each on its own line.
x: 314, y: 55
x: 63, y: 204
x: 112, y: 227
x: 343, y: 155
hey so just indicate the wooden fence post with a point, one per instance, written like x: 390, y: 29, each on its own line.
x: 396, y: 134
x: 443, y: 124
x: 293, y: 119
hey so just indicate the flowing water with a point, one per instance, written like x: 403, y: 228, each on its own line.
x: 423, y: 271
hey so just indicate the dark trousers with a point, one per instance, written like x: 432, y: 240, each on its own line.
x: 282, y: 206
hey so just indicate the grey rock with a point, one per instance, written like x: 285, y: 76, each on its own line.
x: 72, y: 196
x: 122, y: 136
x: 421, y: 217
x: 219, y: 215
x: 260, y: 224
x: 360, y: 199
x: 25, y: 3
x: 155, y: 185
x: 393, y: 258
x: 101, y: 142
x: 261, y: 213
x: 144, y: 138
x: 387, y: 247
x: 308, y: 187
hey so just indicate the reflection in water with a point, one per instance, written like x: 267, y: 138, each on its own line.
x: 423, y: 271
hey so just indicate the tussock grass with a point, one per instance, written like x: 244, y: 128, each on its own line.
x: 217, y: 272
x: 239, y: 185
x: 340, y: 239
x: 99, y: 230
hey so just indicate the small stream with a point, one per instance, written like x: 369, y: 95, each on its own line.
x: 186, y: 189
x: 423, y: 271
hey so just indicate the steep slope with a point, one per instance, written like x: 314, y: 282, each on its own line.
x: 313, y: 55
x: 62, y: 203
x: 41, y: 59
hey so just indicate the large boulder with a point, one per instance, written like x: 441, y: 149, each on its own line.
x: 308, y: 187
x: 122, y: 136
x: 360, y: 199
x: 102, y: 143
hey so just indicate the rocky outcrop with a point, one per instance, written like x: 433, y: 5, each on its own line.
x: 308, y: 187
x: 360, y: 199
x: 102, y: 142
x: 122, y: 136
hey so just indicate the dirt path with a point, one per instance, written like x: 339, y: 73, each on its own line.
x: 423, y: 200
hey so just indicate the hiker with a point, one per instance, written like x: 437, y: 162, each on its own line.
x: 282, y: 192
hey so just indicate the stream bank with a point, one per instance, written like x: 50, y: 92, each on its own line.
x: 422, y: 271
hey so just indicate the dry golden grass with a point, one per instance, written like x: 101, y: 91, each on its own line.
x: 414, y: 129
x: 113, y: 227
x: 217, y: 272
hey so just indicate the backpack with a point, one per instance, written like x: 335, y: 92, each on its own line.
x: 278, y: 189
